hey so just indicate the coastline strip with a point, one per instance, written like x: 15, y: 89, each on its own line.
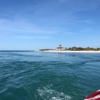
x: 72, y: 51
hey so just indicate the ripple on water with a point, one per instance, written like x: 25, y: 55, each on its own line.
x: 27, y: 76
x: 14, y: 93
x: 46, y: 93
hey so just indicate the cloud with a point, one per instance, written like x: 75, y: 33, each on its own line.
x: 81, y: 5
x: 32, y: 37
x: 24, y: 37
x: 88, y: 21
x: 69, y: 33
x: 23, y: 26
x: 86, y: 30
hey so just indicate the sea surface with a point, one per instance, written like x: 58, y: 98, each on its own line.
x: 48, y: 76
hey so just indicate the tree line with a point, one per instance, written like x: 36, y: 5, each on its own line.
x: 81, y: 48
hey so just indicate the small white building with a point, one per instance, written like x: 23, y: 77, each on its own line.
x: 60, y: 48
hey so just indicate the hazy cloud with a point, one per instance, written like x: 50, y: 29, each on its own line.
x: 23, y: 26
x: 69, y: 33
x: 88, y: 21
x: 32, y: 37
x: 86, y: 30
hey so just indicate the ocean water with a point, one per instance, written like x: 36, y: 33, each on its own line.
x: 48, y: 76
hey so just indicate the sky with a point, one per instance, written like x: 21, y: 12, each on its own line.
x: 42, y: 24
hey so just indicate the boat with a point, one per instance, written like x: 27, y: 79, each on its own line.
x: 94, y: 96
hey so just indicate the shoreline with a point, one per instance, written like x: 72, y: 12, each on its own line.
x: 72, y: 51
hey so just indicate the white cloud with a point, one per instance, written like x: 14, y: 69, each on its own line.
x: 23, y: 26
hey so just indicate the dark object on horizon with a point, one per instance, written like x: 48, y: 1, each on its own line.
x: 45, y: 49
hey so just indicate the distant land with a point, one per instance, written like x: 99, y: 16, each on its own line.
x: 74, y: 48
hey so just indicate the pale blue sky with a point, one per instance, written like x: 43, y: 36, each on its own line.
x: 36, y: 24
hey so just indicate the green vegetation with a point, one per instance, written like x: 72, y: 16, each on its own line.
x: 82, y: 49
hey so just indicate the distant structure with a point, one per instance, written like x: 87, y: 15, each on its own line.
x: 60, y: 48
x: 74, y: 48
x: 46, y: 49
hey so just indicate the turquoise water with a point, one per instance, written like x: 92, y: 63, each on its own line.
x: 48, y: 76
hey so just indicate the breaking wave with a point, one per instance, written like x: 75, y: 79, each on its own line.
x: 49, y: 94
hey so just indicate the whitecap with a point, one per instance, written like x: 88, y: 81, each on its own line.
x: 49, y: 94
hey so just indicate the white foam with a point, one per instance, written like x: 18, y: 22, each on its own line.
x: 49, y: 94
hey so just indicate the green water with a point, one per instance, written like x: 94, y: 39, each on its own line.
x: 48, y: 76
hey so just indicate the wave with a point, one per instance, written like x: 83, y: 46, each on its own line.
x: 49, y: 94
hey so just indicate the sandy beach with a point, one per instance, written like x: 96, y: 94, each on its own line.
x: 72, y: 51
